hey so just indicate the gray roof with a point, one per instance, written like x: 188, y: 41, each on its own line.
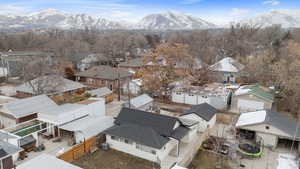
x: 140, y: 134
x: 134, y: 63
x: 5, y: 136
x: 50, y: 84
x: 100, y: 92
x: 146, y: 128
x: 61, y: 109
x: 203, y: 110
x: 179, y: 132
x: 104, y: 72
x: 9, y: 148
x: 281, y: 122
x: 50, y: 161
x: 139, y: 101
x: 24, y: 107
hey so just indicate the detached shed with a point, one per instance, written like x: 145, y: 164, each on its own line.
x: 103, y: 92
x: 142, y: 102
x: 204, y: 114
x: 250, y: 98
x: 272, y: 128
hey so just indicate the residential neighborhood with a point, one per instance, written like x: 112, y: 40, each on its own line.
x: 117, y: 84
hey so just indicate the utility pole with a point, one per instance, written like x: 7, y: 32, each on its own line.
x: 119, y: 92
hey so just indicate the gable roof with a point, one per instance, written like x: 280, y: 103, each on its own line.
x: 24, y: 107
x: 140, y: 134
x: 256, y: 90
x: 227, y: 64
x: 104, y: 72
x: 50, y: 84
x: 203, y: 110
x: 276, y: 119
x: 140, y: 101
x: 100, y: 92
x: 51, y: 161
x: 160, y: 123
x: 8, y: 148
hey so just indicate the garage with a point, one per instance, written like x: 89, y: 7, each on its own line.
x: 273, y: 129
x: 250, y: 105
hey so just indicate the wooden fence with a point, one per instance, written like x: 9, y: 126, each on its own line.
x: 79, y: 150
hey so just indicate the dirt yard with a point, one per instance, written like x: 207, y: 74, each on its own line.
x: 113, y: 160
x: 206, y: 160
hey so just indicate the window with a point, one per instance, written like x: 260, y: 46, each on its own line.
x: 153, y: 152
x: 191, y: 95
x: 267, y: 127
x: 113, y: 137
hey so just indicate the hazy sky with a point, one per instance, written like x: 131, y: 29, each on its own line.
x: 219, y: 11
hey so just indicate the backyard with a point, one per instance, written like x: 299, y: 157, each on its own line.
x: 113, y: 160
x: 206, y: 160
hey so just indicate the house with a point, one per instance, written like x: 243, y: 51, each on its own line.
x: 23, y: 110
x: 150, y: 136
x: 51, y: 85
x: 9, y: 153
x: 227, y: 70
x: 215, y: 94
x: 84, y: 61
x: 272, y: 129
x: 204, y: 114
x: 133, y: 87
x: 103, y: 92
x: 8, y: 90
x: 104, y: 76
x: 142, y: 102
x: 252, y: 98
x: 133, y: 64
x: 45, y: 161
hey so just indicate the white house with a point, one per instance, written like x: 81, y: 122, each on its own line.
x: 9, y: 152
x: 142, y: 102
x: 214, y: 94
x: 227, y: 70
x: 252, y: 98
x: 147, y: 135
x: 273, y: 129
x: 204, y: 114
x: 133, y: 87
x: 45, y: 161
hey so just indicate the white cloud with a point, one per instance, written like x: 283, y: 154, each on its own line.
x: 188, y: 2
x: 238, y: 12
x: 271, y: 2
x: 10, y: 9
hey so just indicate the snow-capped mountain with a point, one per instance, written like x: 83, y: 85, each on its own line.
x: 52, y: 18
x: 285, y: 18
x: 173, y: 21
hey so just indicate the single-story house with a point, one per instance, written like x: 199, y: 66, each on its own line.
x: 272, y: 129
x: 204, y: 114
x: 150, y: 136
x: 142, y: 102
x: 8, y: 152
x: 252, y: 98
x: 103, y: 92
x: 50, y: 85
x: 133, y: 87
x: 23, y: 110
x: 45, y: 161
x: 214, y: 94
x: 104, y: 76
x: 84, y: 61
x: 227, y: 70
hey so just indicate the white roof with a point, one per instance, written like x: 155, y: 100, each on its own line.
x: 251, y: 118
x: 24, y: 107
x: 90, y: 126
x: 46, y: 161
x: 141, y: 100
x: 100, y: 92
x: 50, y: 84
x: 227, y: 65
x: 242, y: 90
x: 63, y: 114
